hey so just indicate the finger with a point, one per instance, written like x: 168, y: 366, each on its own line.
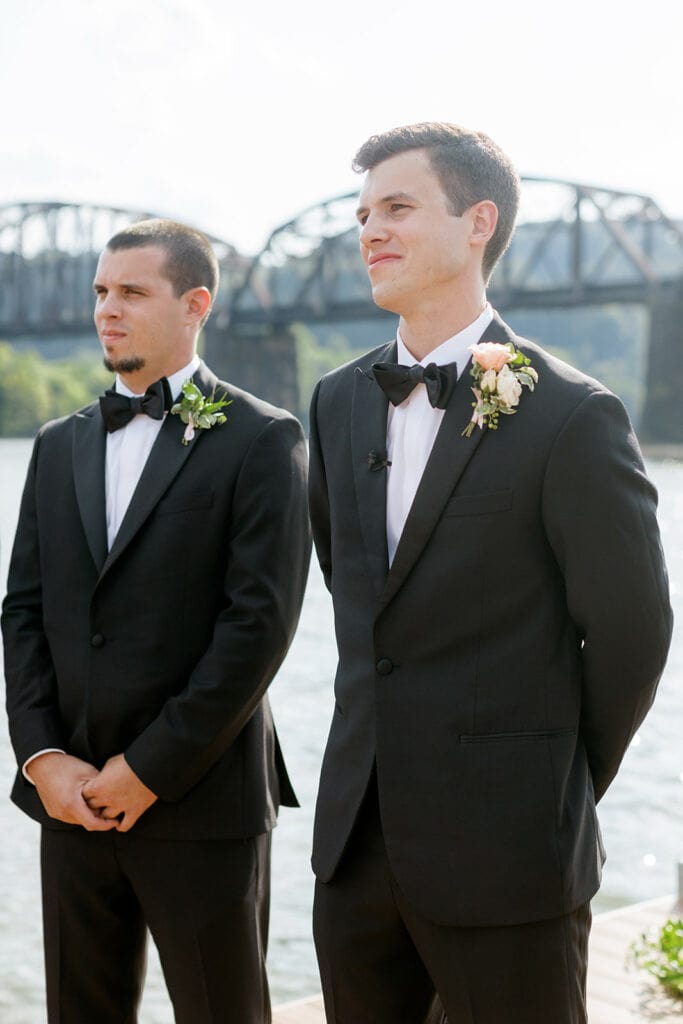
x: 102, y: 810
x: 93, y: 823
x: 126, y: 822
x: 92, y: 809
x: 94, y: 804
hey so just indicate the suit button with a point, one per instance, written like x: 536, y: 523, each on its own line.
x: 384, y: 667
x: 97, y: 640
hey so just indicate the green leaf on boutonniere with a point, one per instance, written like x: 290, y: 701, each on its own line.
x: 500, y: 373
x: 197, y: 411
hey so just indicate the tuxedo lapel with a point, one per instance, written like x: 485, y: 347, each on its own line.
x: 498, y: 331
x: 166, y: 459
x: 88, y: 471
x: 369, y: 435
x: 447, y: 461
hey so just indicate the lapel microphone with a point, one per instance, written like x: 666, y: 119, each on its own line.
x: 377, y: 460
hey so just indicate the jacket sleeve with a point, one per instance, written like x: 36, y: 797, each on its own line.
x: 263, y: 587
x: 31, y: 688
x: 319, y: 503
x: 599, y: 511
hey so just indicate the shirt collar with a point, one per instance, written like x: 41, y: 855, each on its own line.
x: 453, y: 350
x: 175, y: 381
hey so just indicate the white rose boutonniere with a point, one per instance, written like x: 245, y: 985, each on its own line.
x: 198, y: 412
x: 500, y: 373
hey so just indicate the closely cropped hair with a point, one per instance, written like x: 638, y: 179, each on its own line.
x: 469, y: 165
x: 190, y: 259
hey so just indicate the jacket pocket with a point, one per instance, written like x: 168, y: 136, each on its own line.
x: 479, y: 504
x: 501, y: 737
x: 185, y: 503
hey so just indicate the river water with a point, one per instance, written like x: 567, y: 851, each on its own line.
x: 642, y: 815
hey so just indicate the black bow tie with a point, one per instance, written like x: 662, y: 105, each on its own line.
x: 397, y: 381
x: 118, y: 410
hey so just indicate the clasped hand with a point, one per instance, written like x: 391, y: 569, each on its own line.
x: 75, y: 792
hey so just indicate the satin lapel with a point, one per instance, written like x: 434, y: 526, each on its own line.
x: 88, y: 470
x: 369, y: 434
x: 446, y: 463
x: 166, y: 459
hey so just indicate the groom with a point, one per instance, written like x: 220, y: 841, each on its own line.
x: 155, y: 585
x: 502, y: 619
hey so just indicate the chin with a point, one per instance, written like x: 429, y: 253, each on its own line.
x: 129, y: 364
x: 386, y: 299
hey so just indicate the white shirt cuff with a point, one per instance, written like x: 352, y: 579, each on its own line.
x: 48, y: 750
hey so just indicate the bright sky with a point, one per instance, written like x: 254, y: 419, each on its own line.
x: 235, y: 117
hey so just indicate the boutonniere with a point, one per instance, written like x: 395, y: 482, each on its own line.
x: 198, y: 412
x: 500, y: 372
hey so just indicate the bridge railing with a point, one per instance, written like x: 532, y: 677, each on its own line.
x: 574, y: 243
x: 48, y: 257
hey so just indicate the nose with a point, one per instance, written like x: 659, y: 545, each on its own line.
x: 107, y: 306
x: 372, y: 231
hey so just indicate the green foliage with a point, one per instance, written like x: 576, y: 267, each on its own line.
x: 314, y: 360
x: 607, y: 342
x: 661, y: 954
x: 34, y: 390
x: 197, y: 411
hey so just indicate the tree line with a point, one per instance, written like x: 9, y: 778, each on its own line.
x: 609, y: 343
x: 34, y: 390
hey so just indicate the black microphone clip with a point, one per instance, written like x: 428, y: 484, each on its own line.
x: 377, y: 461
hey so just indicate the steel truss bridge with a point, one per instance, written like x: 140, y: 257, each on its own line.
x: 576, y: 246
x: 48, y: 256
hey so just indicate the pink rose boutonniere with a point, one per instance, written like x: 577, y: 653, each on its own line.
x: 500, y: 372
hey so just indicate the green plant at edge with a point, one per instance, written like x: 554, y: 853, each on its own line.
x: 661, y: 954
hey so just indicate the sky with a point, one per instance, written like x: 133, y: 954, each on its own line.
x: 235, y: 117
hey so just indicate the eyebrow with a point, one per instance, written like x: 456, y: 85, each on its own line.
x: 120, y: 284
x: 391, y: 198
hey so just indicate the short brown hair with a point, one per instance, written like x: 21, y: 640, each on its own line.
x: 190, y: 259
x: 469, y: 165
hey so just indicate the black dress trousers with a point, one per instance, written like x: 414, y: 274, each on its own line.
x: 206, y: 905
x: 381, y: 962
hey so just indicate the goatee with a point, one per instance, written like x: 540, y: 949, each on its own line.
x: 130, y: 365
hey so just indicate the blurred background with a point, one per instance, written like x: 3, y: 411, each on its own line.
x: 243, y: 121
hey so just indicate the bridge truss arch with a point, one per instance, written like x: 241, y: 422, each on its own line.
x: 575, y: 244
x: 48, y: 256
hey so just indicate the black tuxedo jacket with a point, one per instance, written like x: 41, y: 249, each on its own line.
x: 163, y: 647
x: 498, y: 670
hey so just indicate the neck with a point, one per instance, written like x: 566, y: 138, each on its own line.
x: 424, y: 329
x: 140, y: 380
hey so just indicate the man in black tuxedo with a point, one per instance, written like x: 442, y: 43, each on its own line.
x: 154, y: 588
x: 502, y: 619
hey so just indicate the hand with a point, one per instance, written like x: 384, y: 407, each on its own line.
x: 59, y: 779
x: 116, y: 794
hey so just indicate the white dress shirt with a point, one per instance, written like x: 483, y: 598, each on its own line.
x: 413, y: 425
x: 127, y: 451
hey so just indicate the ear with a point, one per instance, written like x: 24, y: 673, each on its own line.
x: 484, y: 217
x: 198, y: 303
